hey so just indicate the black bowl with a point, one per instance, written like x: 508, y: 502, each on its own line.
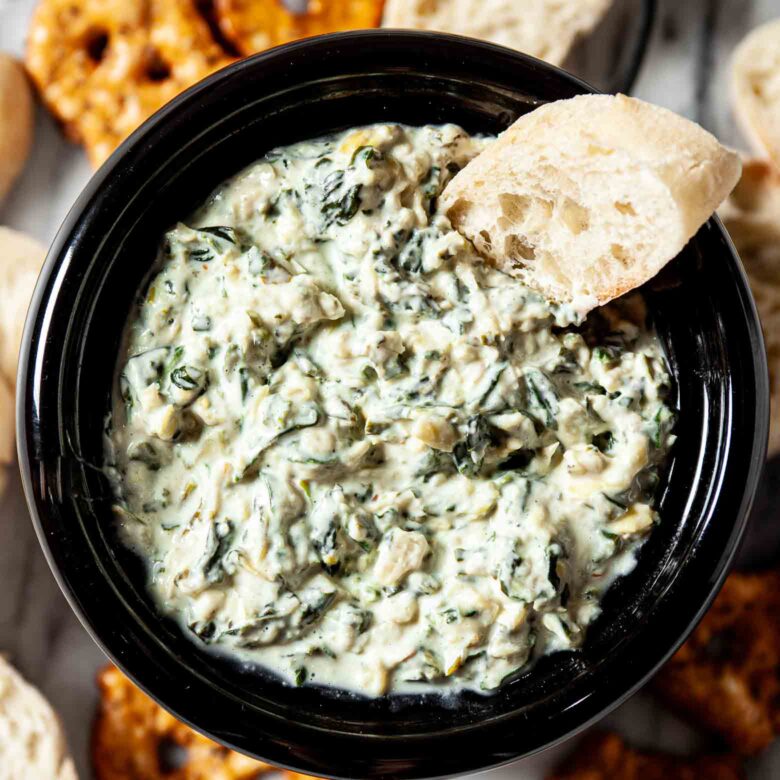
x: 610, y: 57
x: 701, y: 305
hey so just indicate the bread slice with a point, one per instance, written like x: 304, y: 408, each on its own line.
x: 546, y: 29
x: 31, y: 740
x: 587, y: 198
x: 752, y: 217
x: 21, y: 258
x: 755, y: 72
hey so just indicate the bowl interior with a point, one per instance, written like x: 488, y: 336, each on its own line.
x: 99, y: 262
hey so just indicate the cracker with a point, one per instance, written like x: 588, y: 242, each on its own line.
x: 253, y: 26
x: 603, y: 756
x: 104, y: 66
x: 726, y: 677
x: 133, y: 737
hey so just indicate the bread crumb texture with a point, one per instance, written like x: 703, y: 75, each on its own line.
x: 30, y: 732
x: 588, y: 198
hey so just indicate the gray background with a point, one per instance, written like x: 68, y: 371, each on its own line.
x: 685, y: 70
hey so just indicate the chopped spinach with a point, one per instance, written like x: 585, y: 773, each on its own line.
x: 228, y: 234
x: 313, y: 611
x: 367, y: 155
x: 662, y: 423
x: 434, y: 462
x: 187, y: 377
x: 221, y: 537
x: 339, y: 202
x: 610, y: 355
x: 469, y: 453
x: 543, y: 398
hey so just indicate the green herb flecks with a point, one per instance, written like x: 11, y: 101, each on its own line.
x: 469, y: 453
x: 221, y: 537
x: 187, y: 377
x: 368, y: 155
x: 339, y: 202
x: 306, y: 416
x: 543, y: 398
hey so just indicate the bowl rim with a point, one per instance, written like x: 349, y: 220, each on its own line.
x: 647, y: 23
x: 28, y: 388
x: 647, y: 26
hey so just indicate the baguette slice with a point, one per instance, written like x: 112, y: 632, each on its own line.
x: 546, y: 29
x: 21, y: 258
x: 752, y: 217
x: 31, y: 740
x: 755, y: 73
x: 588, y: 198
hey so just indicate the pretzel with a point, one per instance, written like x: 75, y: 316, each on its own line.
x: 252, y: 26
x: 133, y: 738
x: 103, y: 66
x: 726, y: 677
x: 606, y: 757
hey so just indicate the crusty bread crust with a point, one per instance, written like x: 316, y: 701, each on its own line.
x: 755, y: 80
x: 543, y: 28
x: 752, y: 217
x: 588, y: 198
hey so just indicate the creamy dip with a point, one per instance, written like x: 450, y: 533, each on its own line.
x: 353, y: 453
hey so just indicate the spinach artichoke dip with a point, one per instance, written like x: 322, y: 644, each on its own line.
x: 354, y: 453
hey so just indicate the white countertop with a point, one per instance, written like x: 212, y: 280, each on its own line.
x: 684, y: 70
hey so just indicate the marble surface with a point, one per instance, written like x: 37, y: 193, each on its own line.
x: 685, y: 70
